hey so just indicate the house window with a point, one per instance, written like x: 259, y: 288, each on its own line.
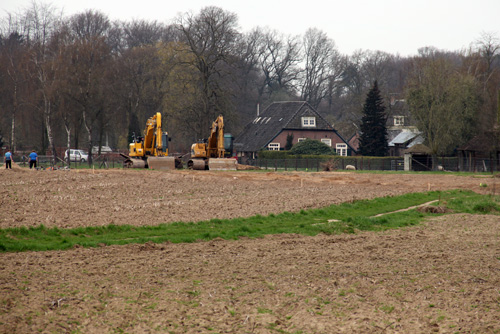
x: 341, y: 149
x: 273, y: 146
x: 399, y: 120
x: 309, y: 122
x: 301, y: 139
x: 327, y: 141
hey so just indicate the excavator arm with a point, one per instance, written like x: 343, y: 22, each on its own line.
x: 153, y: 137
x: 215, y: 143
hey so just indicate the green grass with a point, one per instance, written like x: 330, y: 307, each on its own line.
x: 352, y: 217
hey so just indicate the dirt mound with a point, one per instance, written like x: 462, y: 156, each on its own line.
x: 433, y: 209
x: 246, y: 167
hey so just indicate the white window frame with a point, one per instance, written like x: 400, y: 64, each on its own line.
x: 308, y: 122
x: 341, y: 149
x: 399, y: 120
x: 301, y: 139
x: 273, y: 146
x: 327, y: 141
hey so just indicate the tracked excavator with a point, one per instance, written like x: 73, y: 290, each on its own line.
x: 151, y: 150
x: 213, y: 153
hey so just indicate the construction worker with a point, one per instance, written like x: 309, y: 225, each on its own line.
x: 8, y: 160
x: 33, y: 159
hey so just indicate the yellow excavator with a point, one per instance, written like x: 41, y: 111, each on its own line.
x: 215, y: 152
x: 151, y: 150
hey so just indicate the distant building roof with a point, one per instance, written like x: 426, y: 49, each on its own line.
x: 354, y: 141
x: 270, y: 122
x: 489, y: 141
x: 408, y: 138
x: 418, y: 149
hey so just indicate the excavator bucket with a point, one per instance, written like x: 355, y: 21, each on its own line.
x: 137, y: 163
x: 132, y: 162
x: 222, y: 164
x: 197, y: 164
x: 162, y: 163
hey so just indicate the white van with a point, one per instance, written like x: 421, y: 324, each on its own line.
x: 76, y: 155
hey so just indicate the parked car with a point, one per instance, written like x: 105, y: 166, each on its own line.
x: 104, y: 149
x: 76, y: 155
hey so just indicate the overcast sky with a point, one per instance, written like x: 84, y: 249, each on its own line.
x: 395, y: 26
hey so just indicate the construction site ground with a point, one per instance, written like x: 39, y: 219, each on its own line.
x: 439, y: 277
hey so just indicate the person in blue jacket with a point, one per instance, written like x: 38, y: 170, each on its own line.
x: 8, y: 160
x: 33, y: 159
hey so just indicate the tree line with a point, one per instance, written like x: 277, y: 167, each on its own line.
x: 83, y: 80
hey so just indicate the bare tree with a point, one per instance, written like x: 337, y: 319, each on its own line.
x: 319, y: 53
x: 351, y: 93
x: 279, y: 56
x: 140, y: 83
x: 485, y: 59
x: 376, y: 67
x: 248, y: 75
x: 211, y: 39
x: 89, y: 60
x: 338, y: 64
x: 141, y: 33
x: 43, y: 25
x: 13, y: 60
x: 488, y: 46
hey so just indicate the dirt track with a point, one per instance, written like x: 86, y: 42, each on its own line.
x: 441, y: 277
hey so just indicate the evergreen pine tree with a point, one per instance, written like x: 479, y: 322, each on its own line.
x: 373, y: 140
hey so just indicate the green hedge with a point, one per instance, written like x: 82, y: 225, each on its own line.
x: 287, y: 155
x: 264, y: 154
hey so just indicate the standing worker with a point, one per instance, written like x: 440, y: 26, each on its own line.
x: 33, y: 159
x: 8, y: 160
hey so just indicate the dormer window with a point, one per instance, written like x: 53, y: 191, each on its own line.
x: 309, y: 122
x: 399, y: 120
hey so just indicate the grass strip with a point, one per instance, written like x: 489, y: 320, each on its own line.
x: 349, y: 217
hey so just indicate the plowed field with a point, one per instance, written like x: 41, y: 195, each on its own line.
x: 442, y: 276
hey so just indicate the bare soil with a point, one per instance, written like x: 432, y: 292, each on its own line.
x: 442, y: 276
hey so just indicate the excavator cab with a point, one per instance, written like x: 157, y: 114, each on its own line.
x: 228, y: 145
x: 212, y: 153
x: 164, y: 140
